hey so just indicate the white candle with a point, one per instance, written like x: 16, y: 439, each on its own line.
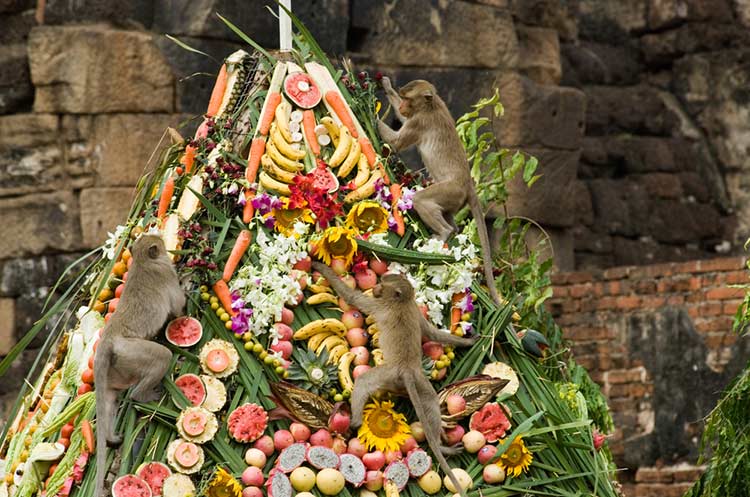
x: 285, y: 26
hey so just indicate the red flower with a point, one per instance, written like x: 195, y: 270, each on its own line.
x: 491, y: 421
x: 306, y: 193
x: 598, y: 439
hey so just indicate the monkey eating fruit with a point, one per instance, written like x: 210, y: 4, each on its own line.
x: 428, y: 124
x: 125, y: 355
x: 402, y: 327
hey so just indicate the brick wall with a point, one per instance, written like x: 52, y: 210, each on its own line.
x: 658, y: 340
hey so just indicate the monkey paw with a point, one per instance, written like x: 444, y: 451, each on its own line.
x: 452, y: 450
x: 114, y: 441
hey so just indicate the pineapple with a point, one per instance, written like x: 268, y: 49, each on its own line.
x: 312, y: 372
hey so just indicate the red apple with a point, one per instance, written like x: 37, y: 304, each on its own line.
x: 300, y: 432
x: 252, y: 492
x: 492, y: 473
x: 287, y: 316
x: 283, y: 346
x: 374, y: 460
x: 344, y: 306
x: 366, y: 279
x: 409, y: 445
x: 361, y: 355
x: 356, y: 447
x: 454, y: 435
x: 282, y: 439
x: 338, y: 265
x: 374, y: 480
x: 253, y: 476
x: 359, y: 370
x: 301, y: 278
x: 486, y: 454
x: 455, y: 404
x: 322, y: 438
x: 340, y: 422
x: 303, y: 264
x: 433, y: 350
x: 284, y: 331
x: 349, y: 281
x: 352, y: 319
x: 357, y: 337
x: 392, y: 455
x: 265, y: 444
x: 379, y: 266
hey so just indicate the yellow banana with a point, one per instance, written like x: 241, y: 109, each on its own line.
x: 322, y: 298
x: 329, y: 343
x: 342, y: 149
x: 335, y: 354
x: 275, y: 171
x: 333, y: 130
x: 377, y: 356
x: 345, y: 377
x: 365, y: 190
x: 369, y: 320
x: 269, y: 183
x: 351, y: 160
x: 391, y: 489
x: 282, y: 119
x: 283, y: 146
x: 363, y: 171
x: 314, y: 342
x: 281, y: 161
x: 318, y: 326
x: 319, y: 288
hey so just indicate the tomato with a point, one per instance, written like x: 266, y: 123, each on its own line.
x: 88, y: 376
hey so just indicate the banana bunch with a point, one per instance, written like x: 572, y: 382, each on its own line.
x: 347, y: 154
x: 280, y: 163
x: 321, y: 295
x: 325, y: 334
x: 345, y: 377
x: 374, y: 333
x: 377, y: 357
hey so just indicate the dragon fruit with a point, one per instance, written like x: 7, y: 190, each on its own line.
x: 398, y: 473
x: 418, y: 462
x: 279, y: 485
x: 292, y: 457
x: 322, y: 457
x: 353, y: 469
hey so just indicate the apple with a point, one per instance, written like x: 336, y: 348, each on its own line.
x: 392, y: 455
x: 253, y: 476
x: 493, y: 473
x: 455, y: 404
x: 366, y: 279
x: 357, y: 337
x: 409, y: 445
x: 379, y: 266
x: 340, y: 422
x: 352, y: 319
x: 284, y: 331
x: 473, y: 441
x: 374, y: 460
x: 433, y: 350
x: 374, y: 480
x: 356, y: 447
x: 287, y: 316
x: 255, y: 457
x: 300, y: 432
x: 283, y: 346
x: 282, y: 439
x: 417, y: 431
x: 303, y: 264
x: 344, y: 306
x: 265, y: 444
x: 486, y: 454
x: 349, y: 281
x: 454, y: 435
x: 338, y: 265
x: 339, y: 445
x: 359, y: 370
x: 252, y: 492
x: 322, y: 438
x: 361, y: 355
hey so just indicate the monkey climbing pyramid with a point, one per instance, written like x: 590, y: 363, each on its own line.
x: 286, y: 167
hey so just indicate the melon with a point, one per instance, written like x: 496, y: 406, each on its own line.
x: 322, y: 457
x: 130, y: 486
x: 193, y: 387
x: 323, y: 178
x: 302, y: 90
x: 184, y: 331
x: 353, y: 469
x: 154, y: 473
x: 184, y: 457
x: 398, y: 473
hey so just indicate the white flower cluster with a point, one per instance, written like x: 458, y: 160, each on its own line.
x: 112, y: 240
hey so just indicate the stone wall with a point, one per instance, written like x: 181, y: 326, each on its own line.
x: 658, y: 340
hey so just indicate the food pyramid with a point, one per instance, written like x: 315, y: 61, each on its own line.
x: 286, y: 167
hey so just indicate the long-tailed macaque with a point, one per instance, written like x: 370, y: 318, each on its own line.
x: 125, y: 355
x: 428, y: 124
x: 402, y: 327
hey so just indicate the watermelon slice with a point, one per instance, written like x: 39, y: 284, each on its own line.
x: 247, y: 423
x: 324, y: 178
x: 154, y: 473
x: 130, y: 486
x: 184, y: 331
x: 192, y: 386
x: 302, y: 90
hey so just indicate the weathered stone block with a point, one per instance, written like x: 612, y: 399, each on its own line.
x: 612, y: 200
x: 7, y: 323
x: 546, y: 116
x: 31, y: 275
x: 599, y: 18
x: 661, y: 185
x: 598, y: 63
x: 547, y: 13
x: 16, y: 27
x: 666, y: 13
x: 39, y: 222
x: 115, y: 11
x: 436, y: 34
x: 635, y: 109
x: 14, y: 6
x: 660, y: 49
x: 583, y: 208
x: 672, y: 221
x: 590, y: 241
x: 539, y: 57
x: 102, y: 209
x: 94, y: 69
x: 27, y: 131
x: 16, y: 91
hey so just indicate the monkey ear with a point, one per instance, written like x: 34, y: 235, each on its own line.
x: 153, y: 251
x: 428, y: 96
x: 398, y: 293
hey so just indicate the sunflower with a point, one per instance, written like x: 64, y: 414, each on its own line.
x: 285, y: 217
x: 382, y: 427
x: 368, y: 216
x: 516, y: 459
x: 224, y: 485
x: 337, y: 243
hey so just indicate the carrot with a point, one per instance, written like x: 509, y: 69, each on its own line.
x: 397, y: 215
x: 455, y: 310
x: 239, y: 249
x: 386, y: 178
x: 257, y: 149
x: 188, y: 158
x: 308, y: 123
x: 339, y: 107
x: 272, y: 101
x: 88, y: 435
x: 166, y: 197
x: 217, y: 95
x: 368, y: 150
x: 248, y: 211
x: 221, y: 290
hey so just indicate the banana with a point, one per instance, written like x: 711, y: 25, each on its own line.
x: 314, y: 342
x: 365, y: 190
x: 283, y: 146
x: 333, y: 130
x: 377, y: 356
x: 374, y: 333
x: 342, y: 149
x: 345, y: 377
x: 281, y: 161
x: 336, y: 353
x: 269, y: 183
x: 369, y: 320
x: 363, y: 171
x: 282, y: 119
x: 322, y: 298
x: 329, y: 343
x: 351, y: 160
x: 319, y: 288
x: 275, y: 171
x: 391, y: 489
x: 318, y: 326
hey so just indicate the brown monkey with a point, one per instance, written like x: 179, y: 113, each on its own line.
x: 428, y: 124
x: 125, y: 355
x: 401, y: 326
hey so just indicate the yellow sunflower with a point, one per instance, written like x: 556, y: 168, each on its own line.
x: 224, y: 485
x: 286, y: 218
x: 382, y: 427
x: 337, y: 243
x: 368, y: 215
x: 516, y: 459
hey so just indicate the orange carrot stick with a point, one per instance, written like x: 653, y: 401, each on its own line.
x: 88, y: 436
x: 308, y: 123
x: 274, y: 99
x: 239, y: 249
x: 386, y: 178
x: 455, y: 310
x: 166, y: 197
x: 397, y: 215
x: 221, y: 290
x: 339, y: 107
x: 188, y: 158
x: 368, y: 150
x: 248, y: 211
x: 217, y: 95
x: 257, y: 149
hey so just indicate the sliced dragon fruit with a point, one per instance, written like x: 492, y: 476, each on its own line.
x: 154, y: 473
x: 279, y: 485
x: 419, y: 462
x: 322, y: 457
x: 292, y: 457
x: 353, y: 469
x: 398, y: 473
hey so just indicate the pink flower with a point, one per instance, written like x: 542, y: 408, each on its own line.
x: 598, y: 439
x: 79, y: 466
x: 491, y: 421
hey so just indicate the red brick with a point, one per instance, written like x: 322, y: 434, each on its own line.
x: 695, y: 297
x: 614, y: 287
x: 706, y: 309
x: 589, y: 305
x: 723, y: 264
x: 627, y: 302
x: 661, y: 490
x: 598, y: 289
x: 645, y: 286
x: 580, y: 277
x: 694, y: 311
x: 653, y: 302
x: 614, y: 391
x: 616, y: 376
x: 637, y: 374
x: 689, y: 474
x: 724, y: 293
x: 607, y: 303
x: 616, y: 273
x: 722, y: 323
x: 580, y: 290
x: 730, y: 307
x: 736, y: 277
x: 559, y: 279
x: 712, y: 279
x: 559, y: 291
x: 652, y: 475
x: 638, y: 390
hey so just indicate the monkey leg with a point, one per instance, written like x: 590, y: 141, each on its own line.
x: 369, y: 382
x: 437, y: 202
x: 105, y: 424
x: 147, y: 361
x: 430, y: 407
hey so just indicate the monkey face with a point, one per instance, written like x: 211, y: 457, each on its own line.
x: 393, y: 288
x: 416, y: 96
x: 148, y: 247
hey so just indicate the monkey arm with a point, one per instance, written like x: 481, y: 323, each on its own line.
x: 353, y: 297
x: 401, y: 139
x: 393, y: 98
x: 431, y: 333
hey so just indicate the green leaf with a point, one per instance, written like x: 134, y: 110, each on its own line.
x: 247, y: 39
x: 187, y: 47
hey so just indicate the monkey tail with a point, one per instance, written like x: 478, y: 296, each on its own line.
x: 484, y: 240
x: 101, y: 367
x: 412, y: 378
